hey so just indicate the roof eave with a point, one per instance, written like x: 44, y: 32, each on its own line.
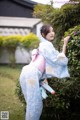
x: 26, y: 3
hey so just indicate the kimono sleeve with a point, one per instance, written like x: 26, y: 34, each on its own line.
x: 56, y: 63
x: 52, y: 55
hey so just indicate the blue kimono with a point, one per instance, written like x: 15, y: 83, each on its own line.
x: 56, y: 63
x: 29, y: 81
x: 56, y: 66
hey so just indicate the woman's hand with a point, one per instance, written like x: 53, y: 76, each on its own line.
x: 66, y: 39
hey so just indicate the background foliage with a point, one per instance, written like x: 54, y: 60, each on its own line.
x: 60, y: 18
x: 30, y: 41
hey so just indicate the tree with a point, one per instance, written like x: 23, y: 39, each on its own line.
x: 61, y: 19
x: 43, y: 12
x: 75, y: 0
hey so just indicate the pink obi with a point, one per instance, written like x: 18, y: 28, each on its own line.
x: 38, y: 60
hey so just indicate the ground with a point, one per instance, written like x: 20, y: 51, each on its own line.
x: 9, y: 100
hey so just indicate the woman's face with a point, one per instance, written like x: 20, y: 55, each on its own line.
x: 50, y: 36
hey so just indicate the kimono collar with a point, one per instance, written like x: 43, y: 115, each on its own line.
x: 42, y: 39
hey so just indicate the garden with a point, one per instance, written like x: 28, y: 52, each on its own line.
x: 65, y: 104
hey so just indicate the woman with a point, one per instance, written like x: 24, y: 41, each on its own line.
x: 48, y: 62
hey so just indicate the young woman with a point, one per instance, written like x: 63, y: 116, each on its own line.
x: 46, y: 63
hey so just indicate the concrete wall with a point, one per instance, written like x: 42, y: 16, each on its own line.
x: 22, y: 56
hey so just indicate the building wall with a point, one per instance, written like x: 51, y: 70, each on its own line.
x: 38, y: 27
x: 13, y: 9
x: 22, y: 56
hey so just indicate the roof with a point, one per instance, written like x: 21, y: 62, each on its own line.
x: 27, y: 3
x: 18, y: 22
x: 14, y: 31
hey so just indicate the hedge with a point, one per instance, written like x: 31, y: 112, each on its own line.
x: 28, y: 41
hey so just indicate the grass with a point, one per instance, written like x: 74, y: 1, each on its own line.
x: 9, y: 101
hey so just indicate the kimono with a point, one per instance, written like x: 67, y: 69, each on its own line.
x: 56, y: 63
x: 29, y: 81
x: 56, y: 66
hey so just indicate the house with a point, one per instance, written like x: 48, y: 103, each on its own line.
x: 16, y: 18
x: 18, y: 25
x: 17, y: 8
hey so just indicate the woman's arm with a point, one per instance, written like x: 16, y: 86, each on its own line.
x: 65, y: 44
x: 51, y: 54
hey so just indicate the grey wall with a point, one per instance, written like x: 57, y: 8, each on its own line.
x: 22, y: 56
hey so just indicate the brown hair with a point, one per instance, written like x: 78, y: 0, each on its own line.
x: 45, y: 30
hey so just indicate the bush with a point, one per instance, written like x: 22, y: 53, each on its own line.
x: 30, y: 41
x: 74, y: 66
x: 1, y: 40
x: 74, y: 52
x: 11, y: 41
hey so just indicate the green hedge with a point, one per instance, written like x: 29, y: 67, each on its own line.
x: 28, y: 41
x: 11, y: 41
x: 74, y: 52
x: 1, y: 41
